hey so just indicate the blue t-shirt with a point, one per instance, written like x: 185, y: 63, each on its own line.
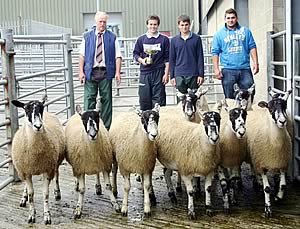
x: 233, y: 47
x: 159, y: 45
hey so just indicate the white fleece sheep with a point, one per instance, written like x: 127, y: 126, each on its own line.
x: 38, y: 148
x: 191, y: 149
x: 132, y: 137
x: 269, y: 144
x: 233, y: 145
x: 88, y: 150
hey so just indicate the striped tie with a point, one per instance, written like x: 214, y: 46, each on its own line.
x: 99, y: 48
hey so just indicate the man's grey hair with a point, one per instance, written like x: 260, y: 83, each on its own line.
x: 99, y: 14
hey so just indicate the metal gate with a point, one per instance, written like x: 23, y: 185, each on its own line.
x: 30, y: 67
x: 282, y: 76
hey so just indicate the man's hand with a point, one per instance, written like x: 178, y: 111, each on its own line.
x: 218, y: 74
x: 165, y: 79
x: 200, y: 80
x: 173, y: 82
x: 81, y: 78
x: 255, y: 68
x: 118, y: 78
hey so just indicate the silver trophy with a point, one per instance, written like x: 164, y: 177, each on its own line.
x: 150, y: 53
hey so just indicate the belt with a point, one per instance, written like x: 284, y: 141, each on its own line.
x: 102, y: 68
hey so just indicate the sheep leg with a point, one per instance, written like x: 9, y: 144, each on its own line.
x: 234, y: 180
x: 152, y: 193
x: 24, y: 197
x: 267, y: 190
x: 147, y: 183
x: 81, y: 186
x: 108, y: 188
x: 178, y: 183
x: 57, y: 193
x: 208, y: 182
x: 124, y: 210
x: 98, y: 185
x: 282, y: 186
x: 196, y: 186
x: 46, y: 183
x: 224, y: 186
x: 32, y: 211
x: 171, y: 192
x: 189, y: 189
x: 114, y: 178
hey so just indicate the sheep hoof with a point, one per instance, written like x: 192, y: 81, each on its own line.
x: 208, y: 211
x: 117, y: 207
x: 172, y: 197
x: 57, y: 195
x: 178, y: 189
x: 23, y: 202
x: 47, y: 218
x: 152, y: 199
x: 77, y: 213
x: 31, y: 217
x: 192, y: 215
x: 147, y: 214
x: 268, y: 212
x: 98, y: 189
x: 124, y: 214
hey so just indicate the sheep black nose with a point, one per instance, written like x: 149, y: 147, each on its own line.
x: 38, y: 127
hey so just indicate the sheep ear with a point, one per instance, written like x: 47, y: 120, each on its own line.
x: 137, y: 111
x: 263, y: 104
x: 271, y: 92
x: 287, y: 94
x: 156, y: 107
x: 44, y: 98
x: 236, y: 87
x: 78, y: 109
x: 225, y: 105
x: 18, y: 103
x: 201, y: 92
x: 179, y: 95
x: 251, y: 89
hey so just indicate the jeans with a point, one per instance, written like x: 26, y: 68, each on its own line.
x: 243, y: 77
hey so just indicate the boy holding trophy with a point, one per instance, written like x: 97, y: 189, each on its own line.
x: 152, y: 52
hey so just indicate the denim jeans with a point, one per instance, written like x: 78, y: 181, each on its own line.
x: 242, y: 77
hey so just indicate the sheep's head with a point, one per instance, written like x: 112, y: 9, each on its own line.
x: 211, y: 121
x: 34, y: 112
x: 90, y: 120
x: 149, y: 121
x: 237, y: 118
x: 189, y: 101
x: 277, y: 107
x: 244, y: 97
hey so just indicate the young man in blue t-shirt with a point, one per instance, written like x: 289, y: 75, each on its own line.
x: 234, y: 44
x: 186, y: 57
x: 152, y: 52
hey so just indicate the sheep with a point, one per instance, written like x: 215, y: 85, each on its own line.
x: 269, y: 144
x: 88, y: 151
x: 133, y: 141
x: 192, y: 150
x: 232, y: 145
x: 189, y: 103
x: 38, y: 148
x: 243, y: 98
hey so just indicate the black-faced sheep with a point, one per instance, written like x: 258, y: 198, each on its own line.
x: 132, y: 137
x: 38, y: 148
x: 88, y: 150
x: 269, y: 144
x: 192, y: 151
